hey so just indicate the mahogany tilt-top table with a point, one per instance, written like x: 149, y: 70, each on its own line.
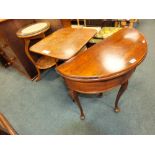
x: 105, y: 65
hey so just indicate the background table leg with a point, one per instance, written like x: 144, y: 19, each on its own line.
x: 27, y: 42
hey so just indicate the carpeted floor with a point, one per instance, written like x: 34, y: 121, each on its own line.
x: 44, y: 107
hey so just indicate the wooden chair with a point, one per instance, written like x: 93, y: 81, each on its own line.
x: 35, y: 31
x: 5, y: 126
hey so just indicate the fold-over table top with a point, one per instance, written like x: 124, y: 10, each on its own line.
x: 63, y: 43
x: 110, y: 58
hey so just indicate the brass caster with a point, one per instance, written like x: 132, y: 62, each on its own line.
x: 82, y: 117
x: 117, y: 109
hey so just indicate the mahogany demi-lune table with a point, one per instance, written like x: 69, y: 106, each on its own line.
x: 64, y: 43
x: 104, y: 66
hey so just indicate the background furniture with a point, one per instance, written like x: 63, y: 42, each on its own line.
x: 104, y: 66
x: 126, y: 23
x: 102, y: 34
x: 5, y: 61
x: 94, y: 22
x: 13, y: 47
x: 34, y: 31
x: 5, y: 126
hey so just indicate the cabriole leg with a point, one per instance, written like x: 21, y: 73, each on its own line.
x: 70, y: 92
x: 120, y: 92
x: 75, y: 98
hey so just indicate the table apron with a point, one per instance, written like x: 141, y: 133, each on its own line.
x: 93, y: 87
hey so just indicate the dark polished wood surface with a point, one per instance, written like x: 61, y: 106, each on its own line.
x: 110, y: 58
x: 64, y: 43
x: 104, y: 66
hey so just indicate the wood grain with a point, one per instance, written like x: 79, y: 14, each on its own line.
x: 104, y: 66
x: 110, y: 58
x: 64, y: 43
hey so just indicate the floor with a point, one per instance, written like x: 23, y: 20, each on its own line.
x: 44, y: 107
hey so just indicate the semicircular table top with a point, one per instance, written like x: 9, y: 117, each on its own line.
x: 110, y: 58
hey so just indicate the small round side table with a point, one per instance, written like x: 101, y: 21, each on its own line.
x: 34, y: 31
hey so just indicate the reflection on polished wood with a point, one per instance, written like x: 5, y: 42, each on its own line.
x: 105, y: 65
x: 64, y: 43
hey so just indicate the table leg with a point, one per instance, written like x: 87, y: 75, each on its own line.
x: 100, y: 94
x: 70, y: 92
x: 85, y: 22
x: 78, y: 22
x: 120, y: 92
x: 74, y: 96
x: 27, y: 42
